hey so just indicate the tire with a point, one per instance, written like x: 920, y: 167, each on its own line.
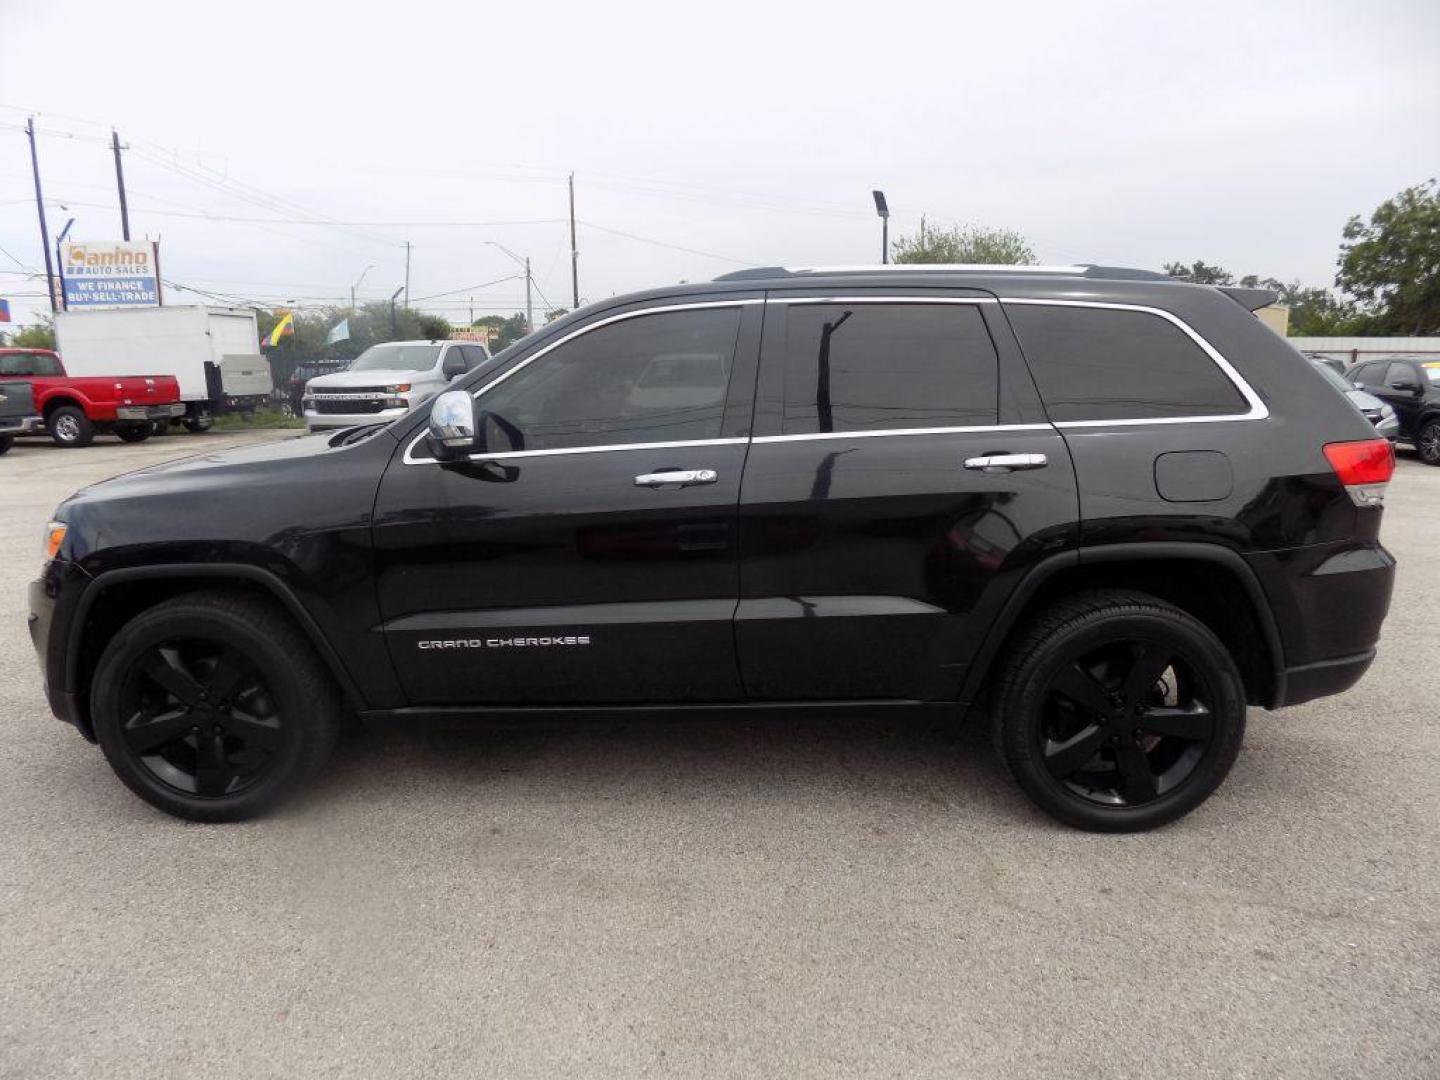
x: 133, y: 434
x: 70, y: 427
x: 199, y: 422
x: 159, y: 427
x: 214, y: 707
x: 1100, y: 736
x: 1427, y: 442
x: 6, y: 441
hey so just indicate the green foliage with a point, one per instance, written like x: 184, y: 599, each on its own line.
x: 556, y: 313
x: 964, y: 244
x: 1200, y: 273
x: 259, y: 420
x: 39, y: 335
x: 508, y: 331
x: 1391, y: 264
x: 369, y: 325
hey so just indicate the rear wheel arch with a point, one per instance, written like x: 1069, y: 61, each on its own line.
x: 1213, y: 584
x: 118, y: 596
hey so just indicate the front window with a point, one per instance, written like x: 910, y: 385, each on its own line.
x: 652, y: 378
x: 392, y: 357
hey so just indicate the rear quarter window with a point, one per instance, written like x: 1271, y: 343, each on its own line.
x: 1108, y: 364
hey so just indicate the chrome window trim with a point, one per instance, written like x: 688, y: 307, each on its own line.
x: 409, y: 457
x: 811, y: 436
x: 908, y: 299
x: 1257, y: 410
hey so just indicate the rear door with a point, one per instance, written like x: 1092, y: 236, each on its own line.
x: 877, y: 543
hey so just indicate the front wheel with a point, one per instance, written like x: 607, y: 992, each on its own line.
x: 1119, y: 712
x: 213, y: 707
x: 1428, y: 442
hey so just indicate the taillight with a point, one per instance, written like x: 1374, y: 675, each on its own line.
x: 1364, y: 467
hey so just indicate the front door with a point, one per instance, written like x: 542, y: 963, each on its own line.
x: 587, y: 552
x: 901, y: 479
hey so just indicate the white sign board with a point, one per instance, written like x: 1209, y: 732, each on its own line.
x: 113, y: 274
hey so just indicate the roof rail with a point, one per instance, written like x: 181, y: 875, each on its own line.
x: 1088, y: 270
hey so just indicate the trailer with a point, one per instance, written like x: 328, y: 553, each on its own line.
x: 213, y: 353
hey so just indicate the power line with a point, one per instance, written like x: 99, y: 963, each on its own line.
x: 664, y: 244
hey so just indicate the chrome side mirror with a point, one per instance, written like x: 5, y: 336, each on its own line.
x: 452, y: 424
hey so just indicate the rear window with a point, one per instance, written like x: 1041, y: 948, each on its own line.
x: 1107, y: 364
x: 876, y: 367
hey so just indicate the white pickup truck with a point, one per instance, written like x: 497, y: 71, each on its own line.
x: 385, y: 380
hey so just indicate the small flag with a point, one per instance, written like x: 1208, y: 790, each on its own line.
x: 339, y: 332
x: 4, y: 310
x: 282, y: 328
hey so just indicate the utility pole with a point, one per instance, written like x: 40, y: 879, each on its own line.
x: 120, y: 182
x: 472, y: 311
x: 394, y: 327
x: 407, y: 273
x: 40, y: 208
x: 922, y: 231
x: 574, y: 253
x: 529, y: 310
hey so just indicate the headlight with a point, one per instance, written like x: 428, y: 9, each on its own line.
x: 398, y: 388
x: 54, y: 537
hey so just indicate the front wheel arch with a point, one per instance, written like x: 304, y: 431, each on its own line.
x: 116, y: 597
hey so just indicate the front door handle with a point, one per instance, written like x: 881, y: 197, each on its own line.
x: 677, y: 478
x: 1006, y: 462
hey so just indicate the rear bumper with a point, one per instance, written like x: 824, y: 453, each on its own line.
x: 1329, y: 602
x: 1326, y: 677
x: 150, y: 412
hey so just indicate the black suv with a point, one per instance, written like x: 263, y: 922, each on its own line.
x: 1104, y: 509
x: 1412, y: 388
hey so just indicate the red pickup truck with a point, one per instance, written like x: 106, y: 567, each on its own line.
x: 73, y: 409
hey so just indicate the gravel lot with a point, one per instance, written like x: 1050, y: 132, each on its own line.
x: 778, y: 899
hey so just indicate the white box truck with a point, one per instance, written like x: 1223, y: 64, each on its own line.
x: 213, y: 352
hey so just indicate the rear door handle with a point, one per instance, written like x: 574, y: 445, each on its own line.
x: 1006, y: 462
x: 677, y: 478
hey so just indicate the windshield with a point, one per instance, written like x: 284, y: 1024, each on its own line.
x: 397, y: 358
x: 1333, y: 377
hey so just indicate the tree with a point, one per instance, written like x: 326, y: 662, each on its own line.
x: 556, y: 313
x: 39, y: 335
x: 507, y: 331
x: 1200, y: 273
x: 369, y: 325
x: 1391, y: 264
x: 965, y: 244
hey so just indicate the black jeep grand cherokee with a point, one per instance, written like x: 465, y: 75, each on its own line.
x: 1104, y: 509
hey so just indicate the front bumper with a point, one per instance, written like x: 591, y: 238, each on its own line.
x: 150, y: 412
x: 54, y: 603
x: 317, y: 421
x: 29, y: 425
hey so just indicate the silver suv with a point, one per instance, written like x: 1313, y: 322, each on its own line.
x: 385, y: 380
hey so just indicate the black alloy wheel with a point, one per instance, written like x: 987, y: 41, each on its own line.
x: 214, y: 706
x: 200, y: 717
x: 1428, y: 443
x: 1119, y: 712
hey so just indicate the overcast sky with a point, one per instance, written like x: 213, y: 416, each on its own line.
x: 1129, y: 133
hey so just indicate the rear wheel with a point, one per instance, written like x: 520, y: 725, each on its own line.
x: 214, y: 707
x: 70, y: 427
x: 137, y: 433
x: 1428, y: 442
x: 199, y: 421
x: 1119, y: 712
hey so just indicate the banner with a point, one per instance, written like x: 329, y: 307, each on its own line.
x: 112, y: 274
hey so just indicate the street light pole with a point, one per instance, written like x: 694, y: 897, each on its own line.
x: 59, y: 262
x: 357, y: 285
x: 394, y: 328
x: 40, y: 207
x: 883, y: 210
x: 525, y: 262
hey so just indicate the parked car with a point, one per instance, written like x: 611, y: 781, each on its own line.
x: 1412, y: 388
x: 1103, y: 509
x: 303, y: 373
x: 1334, y: 363
x: 212, y: 353
x: 385, y: 380
x: 74, y: 408
x: 1372, y: 408
x: 17, y: 413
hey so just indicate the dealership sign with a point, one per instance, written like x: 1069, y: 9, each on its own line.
x: 110, y: 275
